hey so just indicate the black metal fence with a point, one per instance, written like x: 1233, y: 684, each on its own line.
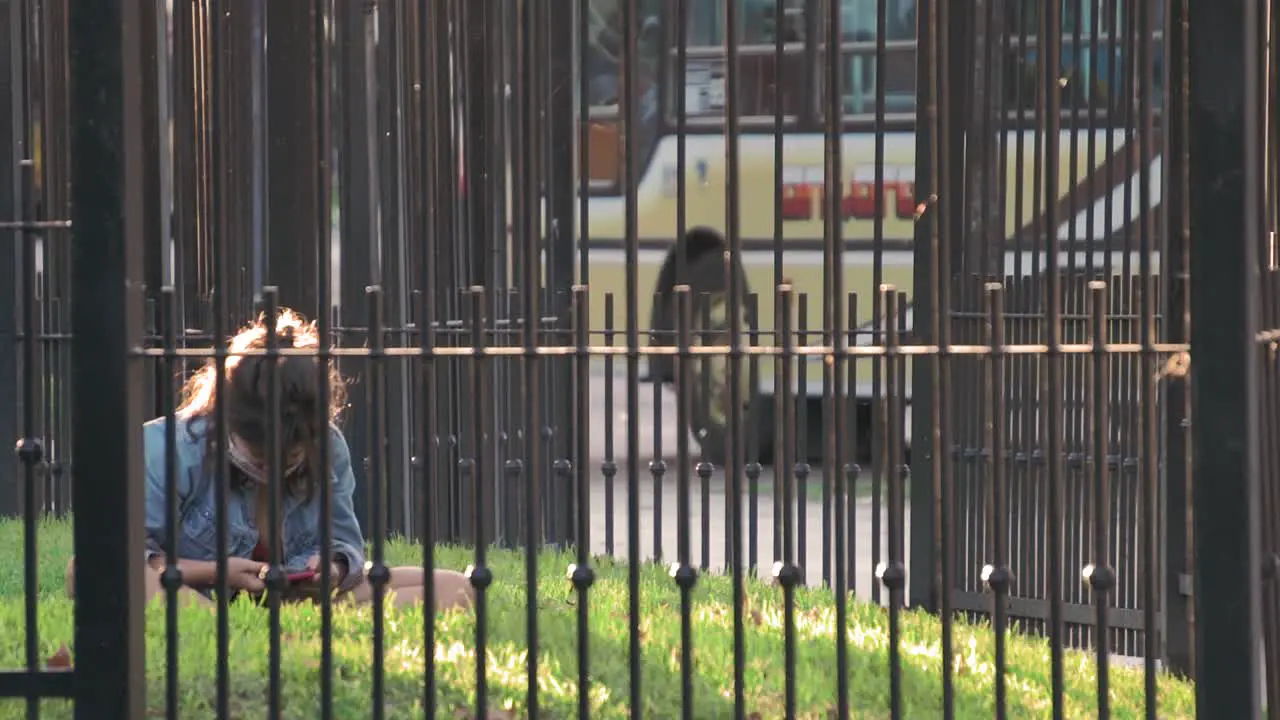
x: 580, y: 264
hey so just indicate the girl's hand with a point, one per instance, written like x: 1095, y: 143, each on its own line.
x: 244, y: 574
x: 336, y: 573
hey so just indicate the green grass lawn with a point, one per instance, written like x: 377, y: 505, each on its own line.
x: 1028, y: 679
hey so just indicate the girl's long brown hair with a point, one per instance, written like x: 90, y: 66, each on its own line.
x: 301, y: 418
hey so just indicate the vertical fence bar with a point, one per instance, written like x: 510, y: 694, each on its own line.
x: 234, y: 142
x: 931, y: 541
x: 940, y: 238
x: 393, y: 80
x: 560, y: 233
x: 1051, y: 44
x: 1149, y: 389
x: 779, y: 181
x: 201, y: 265
x: 1098, y: 575
x: 478, y: 573
x: 216, y: 236
x: 583, y: 174
x: 845, y: 425
x: 1179, y: 627
x: 480, y: 146
x: 11, y: 133
x: 435, y: 171
x: 1097, y: 8
x: 415, y: 227
x: 255, y: 47
x: 609, y: 466
x: 834, y: 57
x: 322, y: 17
x: 630, y: 178
x: 107, y: 271
x: 58, y: 268
x: 581, y: 574
x: 736, y: 281
x: 1270, y: 212
x: 1225, y: 110
x: 291, y: 215
x: 1026, y: 475
x: 801, y: 469
x: 184, y: 158
x: 996, y: 575
x: 275, y: 579
x: 171, y: 578
x: 785, y: 570
x: 357, y: 221
x: 753, y: 468
x: 379, y: 574
x: 1128, y: 120
x: 658, y: 465
x: 705, y: 467
x: 153, y: 255
x: 834, y: 300
x: 528, y: 224
x: 682, y: 571
x: 779, y: 144
x: 892, y: 574
x: 924, y: 587
x: 30, y: 447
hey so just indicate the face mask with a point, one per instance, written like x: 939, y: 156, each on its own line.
x: 243, y: 459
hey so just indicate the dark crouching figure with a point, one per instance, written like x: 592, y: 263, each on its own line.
x: 301, y: 422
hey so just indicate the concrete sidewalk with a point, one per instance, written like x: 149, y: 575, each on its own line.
x: 656, y: 428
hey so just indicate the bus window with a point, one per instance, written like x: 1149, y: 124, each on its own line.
x: 858, y: 61
x: 1095, y: 72
x: 858, y: 20
x: 757, y: 22
x: 604, y: 68
x: 765, y: 82
x: 604, y: 49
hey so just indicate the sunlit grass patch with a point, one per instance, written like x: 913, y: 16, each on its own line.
x: 404, y: 659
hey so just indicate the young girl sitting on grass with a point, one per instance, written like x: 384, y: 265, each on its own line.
x: 300, y: 424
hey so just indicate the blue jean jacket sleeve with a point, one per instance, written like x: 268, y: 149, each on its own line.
x: 153, y: 448
x: 347, y: 538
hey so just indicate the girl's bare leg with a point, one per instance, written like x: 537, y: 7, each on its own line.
x: 151, y: 583
x: 452, y: 589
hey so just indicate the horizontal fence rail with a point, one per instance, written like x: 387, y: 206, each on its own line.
x: 624, y: 358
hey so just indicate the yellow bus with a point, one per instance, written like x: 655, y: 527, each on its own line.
x: 1092, y: 71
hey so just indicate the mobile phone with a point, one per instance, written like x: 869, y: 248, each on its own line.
x: 301, y: 576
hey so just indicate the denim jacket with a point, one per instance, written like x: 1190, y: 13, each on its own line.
x: 197, y: 531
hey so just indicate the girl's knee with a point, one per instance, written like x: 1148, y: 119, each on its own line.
x: 453, y: 590
x: 406, y: 576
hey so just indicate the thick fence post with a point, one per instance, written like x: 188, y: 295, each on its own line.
x: 155, y: 221
x: 107, y: 171
x: 1178, y: 603
x: 9, y: 133
x: 1225, y: 197
x: 924, y: 581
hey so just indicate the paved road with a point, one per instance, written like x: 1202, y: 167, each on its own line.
x: 662, y: 504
